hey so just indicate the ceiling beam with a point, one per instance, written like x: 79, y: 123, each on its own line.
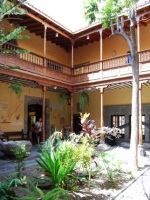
x: 48, y: 25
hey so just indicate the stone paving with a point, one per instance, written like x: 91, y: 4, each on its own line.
x: 8, y: 166
x: 138, y: 190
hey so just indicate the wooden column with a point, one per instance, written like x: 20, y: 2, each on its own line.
x: 72, y: 54
x: 138, y: 33
x: 71, y: 94
x: 45, y: 43
x: 138, y: 37
x: 102, y: 109
x: 101, y: 48
x: 43, y: 114
x: 140, y: 114
x: 71, y: 111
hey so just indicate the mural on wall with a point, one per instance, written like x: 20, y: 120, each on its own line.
x: 8, y: 114
x: 4, y: 112
x: 10, y: 111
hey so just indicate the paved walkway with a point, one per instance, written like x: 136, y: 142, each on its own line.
x: 137, y: 190
x: 8, y: 166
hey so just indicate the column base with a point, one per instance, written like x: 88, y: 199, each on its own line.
x: 141, y: 150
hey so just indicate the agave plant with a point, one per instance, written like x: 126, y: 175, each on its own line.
x: 58, y: 164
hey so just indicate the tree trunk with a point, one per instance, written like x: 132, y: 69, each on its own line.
x: 131, y: 40
x: 135, y: 93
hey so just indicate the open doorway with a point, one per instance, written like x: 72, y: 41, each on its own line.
x: 77, y: 123
x: 34, y: 114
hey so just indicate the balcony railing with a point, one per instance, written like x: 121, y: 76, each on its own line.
x: 36, y: 59
x: 122, y: 61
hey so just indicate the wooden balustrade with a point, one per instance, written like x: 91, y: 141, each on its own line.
x: 115, y: 62
x: 144, y: 56
x: 36, y: 59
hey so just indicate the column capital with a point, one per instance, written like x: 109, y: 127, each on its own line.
x: 44, y: 88
x: 142, y: 82
x: 45, y: 26
x: 72, y: 41
x: 138, y: 19
x: 100, y: 31
x: 101, y: 88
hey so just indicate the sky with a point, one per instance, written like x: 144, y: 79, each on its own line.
x: 70, y: 13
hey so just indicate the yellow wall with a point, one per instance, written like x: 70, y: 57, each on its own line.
x: 118, y: 96
x: 54, y: 52
x: 85, y: 53
x: 112, y: 47
x: 59, y: 112
x: 93, y: 108
x: 144, y: 37
x: 146, y: 94
x: 91, y: 52
x: 111, y: 97
x: 12, y: 108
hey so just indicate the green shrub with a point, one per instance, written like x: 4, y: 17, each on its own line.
x: 32, y: 192
x: 57, y: 164
x: 20, y: 153
x: 113, y: 170
x: 61, y: 161
x: 7, y: 188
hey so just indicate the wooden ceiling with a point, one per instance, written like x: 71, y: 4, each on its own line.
x: 38, y: 28
x: 12, y: 79
x: 34, y: 20
x: 4, y: 78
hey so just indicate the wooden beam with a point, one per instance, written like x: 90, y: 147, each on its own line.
x: 48, y: 25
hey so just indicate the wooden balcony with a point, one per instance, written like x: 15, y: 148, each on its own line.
x: 90, y: 73
x: 110, y: 70
x: 36, y: 65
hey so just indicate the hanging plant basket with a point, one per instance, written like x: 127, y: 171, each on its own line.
x: 83, y: 100
x: 65, y: 98
x: 16, y: 88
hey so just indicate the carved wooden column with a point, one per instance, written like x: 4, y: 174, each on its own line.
x: 45, y: 43
x: 43, y: 114
x: 101, y: 48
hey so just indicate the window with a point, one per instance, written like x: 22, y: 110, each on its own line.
x: 118, y: 121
